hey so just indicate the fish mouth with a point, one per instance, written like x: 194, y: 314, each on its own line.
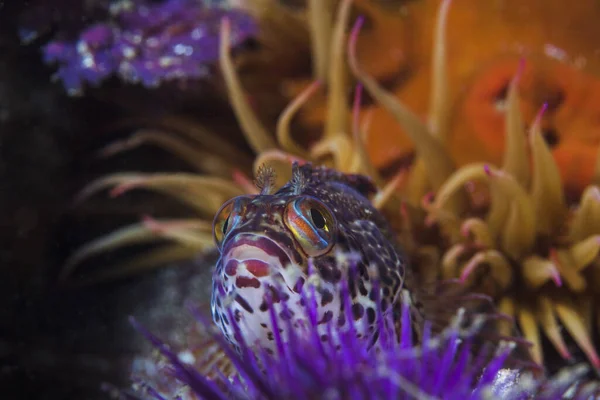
x: 258, y: 252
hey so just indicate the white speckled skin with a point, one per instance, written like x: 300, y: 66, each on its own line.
x: 263, y: 263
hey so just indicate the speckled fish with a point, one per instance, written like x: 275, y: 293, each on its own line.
x: 266, y: 241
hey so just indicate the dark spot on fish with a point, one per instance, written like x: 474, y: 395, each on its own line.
x: 352, y: 287
x: 362, y: 270
x: 299, y: 285
x: 326, y: 298
x: 386, y: 291
x: 237, y: 315
x: 341, y: 319
x: 270, y: 335
x: 242, y: 302
x: 225, y: 319
x: 324, y: 338
x: 337, y: 275
x: 328, y: 316
x: 371, y: 255
x: 242, y: 282
x: 274, y: 293
x: 286, y: 314
x: 231, y: 267
x: 257, y: 268
x: 326, y: 272
x: 386, y: 279
x: 263, y: 324
x: 371, y: 315
x: 373, y: 295
x: 263, y: 306
x: 358, y: 311
x: 362, y: 288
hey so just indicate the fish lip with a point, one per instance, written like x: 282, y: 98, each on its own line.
x: 266, y: 244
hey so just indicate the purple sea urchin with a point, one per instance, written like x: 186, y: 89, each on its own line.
x: 145, y: 42
x: 347, y: 367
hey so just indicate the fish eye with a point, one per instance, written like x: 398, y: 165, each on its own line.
x: 225, y: 224
x: 221, y: 223
x: 312, y: 224
x: 317, y: 218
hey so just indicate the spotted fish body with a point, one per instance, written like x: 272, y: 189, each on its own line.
x: 266, y: 241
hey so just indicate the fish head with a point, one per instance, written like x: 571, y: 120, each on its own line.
x: 271, y: 245
x: 266, y: 243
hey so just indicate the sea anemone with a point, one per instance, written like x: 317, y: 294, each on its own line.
x: 562, y: 70
x: 144, y: 42
x: 537, y: 260
x: 516, y: 239
x: 347, y: 367
x: 520, y: 231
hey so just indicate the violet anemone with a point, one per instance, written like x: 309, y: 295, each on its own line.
x: 387, y: 365
x: 145, y: 42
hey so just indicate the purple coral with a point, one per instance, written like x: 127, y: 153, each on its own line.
x: 306, y: 367
x: 146, y: 42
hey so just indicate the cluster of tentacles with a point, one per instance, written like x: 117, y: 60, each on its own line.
x: 534, y: 255
x: 514, y: 237
x: 348, y: 367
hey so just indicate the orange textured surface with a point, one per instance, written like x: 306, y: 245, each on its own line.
x: 485, y: 40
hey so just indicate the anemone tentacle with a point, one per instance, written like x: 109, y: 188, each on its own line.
x: 541, y: 252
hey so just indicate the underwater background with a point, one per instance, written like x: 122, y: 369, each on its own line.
x: 126, y: 124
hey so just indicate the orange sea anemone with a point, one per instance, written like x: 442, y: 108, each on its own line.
x: 504, y: 226
x: 562, y: 70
